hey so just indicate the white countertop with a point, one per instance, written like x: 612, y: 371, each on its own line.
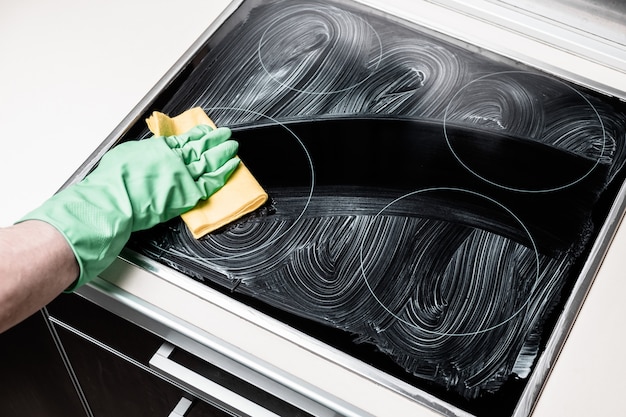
x: 72, y: 70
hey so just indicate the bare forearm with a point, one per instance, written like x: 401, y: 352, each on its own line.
x: 36, y: 264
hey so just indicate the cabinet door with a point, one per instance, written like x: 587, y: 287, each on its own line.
x: 33, y: 378
x: 109, y: 356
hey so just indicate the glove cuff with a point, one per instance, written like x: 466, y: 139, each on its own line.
x: 95, y: 236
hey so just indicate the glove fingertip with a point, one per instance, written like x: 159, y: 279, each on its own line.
x: 232, y: 163
x: 232, y: 147
x: 220, y: 135
x: 229, y: 168
x: 224, y: 130
x: 203, y: 129
x: 197, y: 132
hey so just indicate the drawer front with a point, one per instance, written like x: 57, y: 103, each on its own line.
x: 123, y: 368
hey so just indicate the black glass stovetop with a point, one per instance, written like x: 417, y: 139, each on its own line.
x: 430, y: 207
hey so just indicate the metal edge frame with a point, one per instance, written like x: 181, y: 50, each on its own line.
x: 543, y: 29
x: 575, y: 301
x: 518, y: 24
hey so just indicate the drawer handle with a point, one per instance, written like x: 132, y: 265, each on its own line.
x: 181, y: 408
x: 204, y: 388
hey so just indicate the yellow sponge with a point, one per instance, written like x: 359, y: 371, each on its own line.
x: 241, y: 195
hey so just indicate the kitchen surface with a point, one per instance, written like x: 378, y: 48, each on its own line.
x: 70, y: 80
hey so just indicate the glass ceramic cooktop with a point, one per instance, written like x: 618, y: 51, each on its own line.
x: 430, y: 207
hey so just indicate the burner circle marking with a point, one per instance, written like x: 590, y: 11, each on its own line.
x: 470, y: 333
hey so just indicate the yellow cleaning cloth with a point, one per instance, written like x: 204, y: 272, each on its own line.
x: 242, y: 193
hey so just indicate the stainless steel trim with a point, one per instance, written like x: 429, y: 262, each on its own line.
x: 603, y: 54
x: 181, y: 408
x: 66, y: 362
x: 583, y: 44
x: 571, y: 309
x: 204, y: 388
x: 98, y: 343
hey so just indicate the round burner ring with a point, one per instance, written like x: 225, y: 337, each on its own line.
x: 334, y: 16
x: 489, y: 78
x: 244, y: 251
x: 437, y: 333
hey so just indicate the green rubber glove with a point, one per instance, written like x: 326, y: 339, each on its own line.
x: 137, y: 185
